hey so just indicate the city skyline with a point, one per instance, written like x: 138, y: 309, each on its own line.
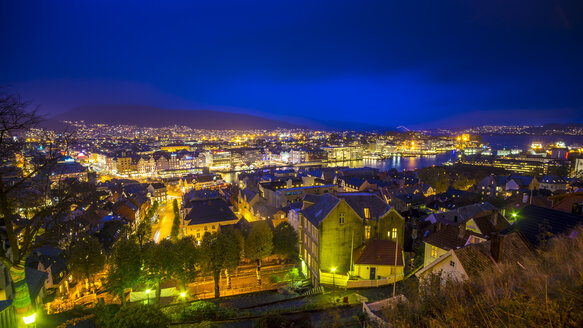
x: 436, y: 65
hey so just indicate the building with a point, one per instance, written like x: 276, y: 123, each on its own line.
x: 206, y: 215
x: 553, y: 183
x: 157, y: 192
x: 332, y: 227
x: 472, y: 260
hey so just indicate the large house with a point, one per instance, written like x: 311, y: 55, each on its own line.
x: 333, y: 227
x: 206, y: 215
x: 462, y: 230
x: 459, y: 264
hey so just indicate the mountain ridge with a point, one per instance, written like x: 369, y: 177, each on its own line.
x: 149, y: 116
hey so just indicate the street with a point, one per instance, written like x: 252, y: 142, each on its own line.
x: 162, y: 229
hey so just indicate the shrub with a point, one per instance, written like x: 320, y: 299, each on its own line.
x: 134, y: 316
x: 274, y: 279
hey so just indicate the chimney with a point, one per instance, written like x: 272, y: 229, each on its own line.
x: 496, y: 246
x: 462, y: 230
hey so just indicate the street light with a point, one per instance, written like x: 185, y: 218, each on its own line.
x: 183, y: 295
x: 30, y: 319
x: 148, y: 293
x: 333, y: 278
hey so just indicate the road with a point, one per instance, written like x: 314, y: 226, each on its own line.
x: 162, y: 229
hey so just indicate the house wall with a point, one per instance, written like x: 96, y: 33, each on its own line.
x: 382, y: 271
x: 336, y: 239
x: 448, y: 271
x: 386, y: 223
x: 427, y: 259
x: 198, y: 230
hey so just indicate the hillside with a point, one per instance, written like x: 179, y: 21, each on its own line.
x: 156, y: 117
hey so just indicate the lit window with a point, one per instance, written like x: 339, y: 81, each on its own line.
x: 341, y: 218
x: 394, y: 234
x: 367, y: 232
x: 366, y: 213
x: 433, y: 251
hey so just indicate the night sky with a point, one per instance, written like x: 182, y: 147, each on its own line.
x: 413, y: 63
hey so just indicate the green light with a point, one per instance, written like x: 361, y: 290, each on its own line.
x: 333, y: 269
x: 182, y: 294
x: 514, y: 215
x: 30, y: 319
x: 147, y: 291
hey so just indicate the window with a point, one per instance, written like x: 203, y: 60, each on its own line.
x: 214, y: 227
x: 367, y: 213
x: 198, y: 235
x: 433, y: 251
x: 206, y: 228
x: 367, y: 232
x: 393, y: 234
x: 341, y: 218
x: 452, y: 263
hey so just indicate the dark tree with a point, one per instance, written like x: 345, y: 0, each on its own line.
x: 285, y: 241
x: 124, y: 266
x: 158, y: 260
x: 185, y: 261
x: 144, y: 231
x: 176, y: 223
x: 86, y: 258
x: 259, y: 244
x: 219, y: 251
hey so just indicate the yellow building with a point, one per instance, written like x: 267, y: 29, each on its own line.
x: 207, y: 215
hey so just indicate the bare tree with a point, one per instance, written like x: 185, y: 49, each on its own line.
x: 51, y: 219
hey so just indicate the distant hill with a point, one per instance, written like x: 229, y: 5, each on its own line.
x: 147, y: 116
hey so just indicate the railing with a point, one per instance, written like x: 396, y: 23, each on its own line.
x: 373, y: 283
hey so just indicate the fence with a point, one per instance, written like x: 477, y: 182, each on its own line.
x: 373, y: 283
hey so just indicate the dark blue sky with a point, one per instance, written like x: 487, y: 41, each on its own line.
x: 416, y: 63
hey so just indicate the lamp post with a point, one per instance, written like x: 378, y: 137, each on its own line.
x: 183, y: 295
x: 333, y: 278
x: 29, y: 321
x: 148, y: 293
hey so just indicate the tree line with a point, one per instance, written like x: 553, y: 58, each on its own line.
x: 132, y: 262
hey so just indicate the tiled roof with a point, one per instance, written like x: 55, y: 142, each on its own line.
x: 532, y: 220
x: 463, y: 213
x: 209, y: 211
x: 448, y: 237
x: 474, y: 259
x: 378, y: 252
x: 486, y: 225
x: 566, y: 204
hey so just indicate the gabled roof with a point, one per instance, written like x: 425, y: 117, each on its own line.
x: 486, y: 225
x: 35, y: 280
x: 209, y: 211
x: 318, y: 212
x: 533, y: 220
x: 359, y: 201
x: 567, y: 201
x: 521, y: 180
x: 448, y: 237
x: 248, y: 194
x: 463, y: 213
x: 474, y: 259
x: 378, y: 252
